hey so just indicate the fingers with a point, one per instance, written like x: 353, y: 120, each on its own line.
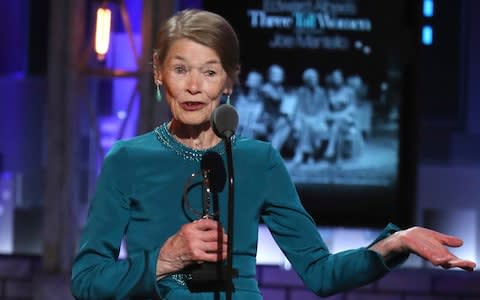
x: 448, y: 240
x: 206, y: 230
x: 433, y: 246
x: 447, y: 260
x: 452, y: 241
x: 210, y: 257
x: 459, y: 263
x: 205, y: 224
x: 202, y: 240
x: 212, y: 252
x: 431, y: 238
x: 212, y: 241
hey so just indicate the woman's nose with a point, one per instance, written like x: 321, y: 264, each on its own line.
x: 193, y: 84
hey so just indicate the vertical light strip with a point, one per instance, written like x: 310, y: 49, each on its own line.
x: 427, y: 29
x: 102, y: 31
x: 427, y: 35
x: 428, y: 8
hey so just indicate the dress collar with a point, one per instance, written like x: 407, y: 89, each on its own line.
x: 170, y: 142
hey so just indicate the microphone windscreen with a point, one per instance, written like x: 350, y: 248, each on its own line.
x: 213, y: 163
x: 224, y: 120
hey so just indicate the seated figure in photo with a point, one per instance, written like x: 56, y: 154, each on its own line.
x: 310, y: 118
x: 275, y: 98
x: 250, y: 108
x: 345, y: 138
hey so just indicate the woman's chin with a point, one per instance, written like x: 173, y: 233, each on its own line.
x: 195, y: 121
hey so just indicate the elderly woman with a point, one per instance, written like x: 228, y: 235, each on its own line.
x: 140, y: 195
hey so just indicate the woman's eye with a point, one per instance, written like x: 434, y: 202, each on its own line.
x: 210, y: 73
x: 179, y: 69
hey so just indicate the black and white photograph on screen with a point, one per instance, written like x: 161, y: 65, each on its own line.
x: 321, y: 81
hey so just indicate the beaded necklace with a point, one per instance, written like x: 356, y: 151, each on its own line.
x: 187, y: 153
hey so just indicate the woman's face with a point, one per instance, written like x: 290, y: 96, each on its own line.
x: 194, y: 80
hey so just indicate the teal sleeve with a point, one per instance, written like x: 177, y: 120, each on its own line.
x: 398, y: 259
x: 296, y: 234
x: 97, y: 272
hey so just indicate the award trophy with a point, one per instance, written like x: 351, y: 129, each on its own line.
x: 210, y: 276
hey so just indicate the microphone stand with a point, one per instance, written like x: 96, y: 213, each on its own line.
x: 213, y: 277
x: 224, y: 120
x: 230, y: 214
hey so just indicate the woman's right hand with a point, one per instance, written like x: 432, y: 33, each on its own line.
x: 195, y: 242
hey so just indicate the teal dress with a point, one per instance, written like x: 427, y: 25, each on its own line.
x: 140, y: 197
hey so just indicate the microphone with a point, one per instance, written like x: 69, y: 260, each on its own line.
x: 224, y: 120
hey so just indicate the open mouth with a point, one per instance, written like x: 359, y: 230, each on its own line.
x: 191, y: 105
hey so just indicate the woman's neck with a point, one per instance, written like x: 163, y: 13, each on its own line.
x: 198, y: 137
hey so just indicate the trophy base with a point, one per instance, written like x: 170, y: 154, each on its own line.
x: 210, y: 277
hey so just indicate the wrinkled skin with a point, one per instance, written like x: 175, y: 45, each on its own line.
x: 195, y: 242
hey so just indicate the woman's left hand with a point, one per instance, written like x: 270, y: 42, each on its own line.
x: 429, y: 244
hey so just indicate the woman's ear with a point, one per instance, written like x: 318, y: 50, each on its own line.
x: 157, y: 74
x: 228, y: 87
x: 157, y: 77
x: 227, y: 91
x: 232, y: 79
